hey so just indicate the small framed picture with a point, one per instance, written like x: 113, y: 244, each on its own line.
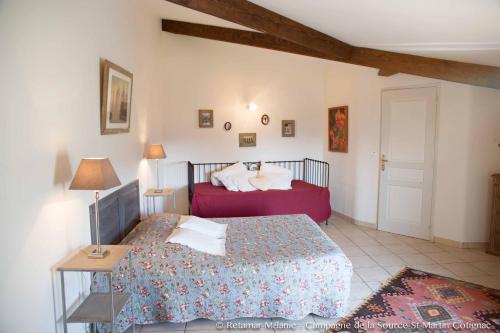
x: 227, y: 126
x: 264, y: 119
x: 288, y: 128
x: 116, y: 98
x: 248, y: 139
x: 205, y: 118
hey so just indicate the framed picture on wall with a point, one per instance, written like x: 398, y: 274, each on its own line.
x: 205, y: 118
x: 288, y: 128
x: 248, y: 139
x: 338, y: 129
x: 116, y: 98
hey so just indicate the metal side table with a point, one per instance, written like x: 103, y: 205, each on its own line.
x: 98, y: 307
x: 151, y: 195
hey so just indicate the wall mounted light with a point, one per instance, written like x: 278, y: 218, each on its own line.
x: 252, y: 107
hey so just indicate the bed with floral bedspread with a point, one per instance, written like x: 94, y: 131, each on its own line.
x: 275, y: 266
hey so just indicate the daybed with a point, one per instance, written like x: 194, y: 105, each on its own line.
x: 309, y: 194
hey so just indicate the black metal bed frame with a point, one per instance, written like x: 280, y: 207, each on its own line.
x: 311, y: 171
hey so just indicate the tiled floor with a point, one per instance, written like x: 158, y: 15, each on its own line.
x: 376, y: 256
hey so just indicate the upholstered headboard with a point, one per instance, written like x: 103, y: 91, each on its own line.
x: 119, y: 213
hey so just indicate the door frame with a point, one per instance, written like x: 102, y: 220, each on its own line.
x: 436, y: 85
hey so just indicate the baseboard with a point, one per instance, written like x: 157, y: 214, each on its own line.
x: 462, y: 245
x: 439, y: 240
x: 354, y: 221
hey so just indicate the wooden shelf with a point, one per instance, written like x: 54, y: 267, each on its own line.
x: 96, y: 308
x: 81, y: 263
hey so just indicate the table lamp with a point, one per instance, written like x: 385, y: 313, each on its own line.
x: 155, y: 152
x: 95, y: 174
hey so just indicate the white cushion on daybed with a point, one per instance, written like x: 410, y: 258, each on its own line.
x: 236, y: 168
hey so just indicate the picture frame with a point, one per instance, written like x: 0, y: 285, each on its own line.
x: 205, y: 118
x: 264, y: 119
x: 248, y: 139
x: 116, y: 98
x: 288, y: 128
x: 338, y: 129
x: 227, y: 126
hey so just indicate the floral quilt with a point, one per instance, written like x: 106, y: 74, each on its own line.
x: 275, y: 266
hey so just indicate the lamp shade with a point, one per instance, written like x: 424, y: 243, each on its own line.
x: 155, y: 152
x: 94, y: 174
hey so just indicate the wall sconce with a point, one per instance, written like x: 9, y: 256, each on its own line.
x: 252, y: 107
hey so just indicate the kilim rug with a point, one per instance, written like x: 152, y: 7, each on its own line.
x: 416, y: 301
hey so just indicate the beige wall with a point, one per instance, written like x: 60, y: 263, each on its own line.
x: 467, y: 136
x: 200, y: 74
x: 49, y: 102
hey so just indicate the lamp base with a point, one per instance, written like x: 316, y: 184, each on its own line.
x: 98, y: 255
x: 158, y: 190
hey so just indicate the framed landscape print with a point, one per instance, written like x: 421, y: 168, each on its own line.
x: 338, y: 129
x: 248, y: 139
x: 205, y: 118
x: 116, y: 98
x: 288, y: 128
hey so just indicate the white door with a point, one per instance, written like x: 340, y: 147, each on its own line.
x: 407, y: 161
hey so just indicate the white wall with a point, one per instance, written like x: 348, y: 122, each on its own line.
x: 467, y: 135
x: 49, y: 102
x: 200, y: 74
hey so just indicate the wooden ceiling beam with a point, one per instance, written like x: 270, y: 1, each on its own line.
x: 389, y: 63
x: 253, y: 16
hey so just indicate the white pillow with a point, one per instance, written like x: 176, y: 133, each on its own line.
x: 260, y: 183
x: 239, y: 182
x: 204, y: 226
x: 198, y: 241
x: 278, y: 178
x: 232, y: 169
x: 273, y: 168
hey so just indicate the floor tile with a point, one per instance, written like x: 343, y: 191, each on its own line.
x: 353, y: 251
x: 164, y: 327
x: 393, y: 270
x: 373, y: 274
x: 426, y: 247
x: 203, y: 325
x: 463, y: 269
x: 416, y: 259
x: 435, y: 269
x: 401, y: 249
x: 359, y: 290
x: 375, y: 286
x: 444, y: 257
x: 491, y: 268
x: 361, y: 262
x: 374, y: 250
x: 388, y: 260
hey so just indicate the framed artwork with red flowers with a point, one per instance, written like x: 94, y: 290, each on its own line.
x: 338, y: 129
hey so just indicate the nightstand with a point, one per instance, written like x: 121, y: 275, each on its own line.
x: 151, y: 195
x: 98, y: 307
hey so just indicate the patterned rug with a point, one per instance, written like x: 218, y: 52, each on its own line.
x: 416, y: 301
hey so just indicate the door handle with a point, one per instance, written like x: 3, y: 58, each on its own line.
x: 383, y: 160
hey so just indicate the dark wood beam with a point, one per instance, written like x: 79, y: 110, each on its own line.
x: 455, y: 71
x: 253, y: 16
x: 389, y: 63
x: 237, y: 36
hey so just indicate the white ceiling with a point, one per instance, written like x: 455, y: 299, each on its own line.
x: 463, y: 30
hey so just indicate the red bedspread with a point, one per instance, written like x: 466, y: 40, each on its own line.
x: 303, y: 198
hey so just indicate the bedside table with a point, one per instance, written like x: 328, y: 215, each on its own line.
x: 98, y: 307
x: 150, y: 197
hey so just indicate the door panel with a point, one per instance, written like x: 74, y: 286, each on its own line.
x: 407, y: 161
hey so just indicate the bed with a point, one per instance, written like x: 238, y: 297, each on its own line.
x: 276, y: 266
x: 309, y: 194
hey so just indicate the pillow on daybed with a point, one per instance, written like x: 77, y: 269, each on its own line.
x: 204, y: 226
x: 198, y: 241
x: 239, y: 181
x: 230, y: 170
x: 272, y: 177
